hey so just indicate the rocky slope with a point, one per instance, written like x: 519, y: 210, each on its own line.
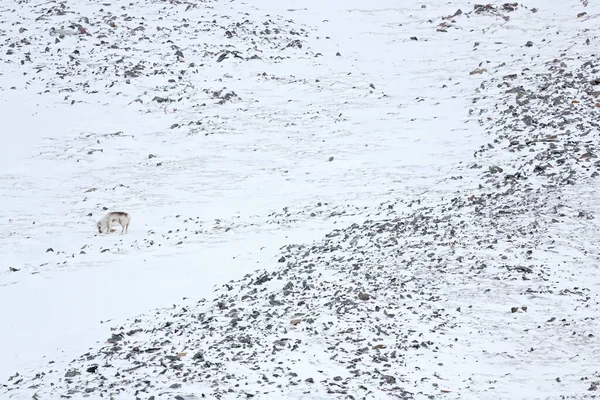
x: 487, y: 291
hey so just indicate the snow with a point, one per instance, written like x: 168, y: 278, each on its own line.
x: 310, y: 143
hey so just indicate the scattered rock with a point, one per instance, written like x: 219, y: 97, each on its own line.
x: 72, y: 373
x: 364, y: 296
x: 92, y: 369
x: 477, y: 71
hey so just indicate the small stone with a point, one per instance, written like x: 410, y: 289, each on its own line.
x: 330, y: 158
x: 49, y: 249
x: 71, y: 373
x: 524, y: 308
x: 92, y: 370
x: 115, y: 338
x: 364, y: 296
x: 309, y: 380
x: 478, y: 71
x: 262, y: 279
x: 514, y: 309
x: 281, y: 260
x: 529, y: 43
x: 296, y: 321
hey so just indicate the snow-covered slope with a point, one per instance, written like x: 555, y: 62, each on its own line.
x: 342, y: 150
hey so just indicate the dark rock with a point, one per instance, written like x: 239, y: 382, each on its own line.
x: 295, y: 43
x: 364, y: 296
x: 159, y: 99
x: 262, y: 279
x: 71, y: 373
x: 93, y: 369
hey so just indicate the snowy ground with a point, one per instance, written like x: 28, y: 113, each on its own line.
x: 418, y: 260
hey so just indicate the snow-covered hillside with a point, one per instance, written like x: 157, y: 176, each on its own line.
x: 392, y: 201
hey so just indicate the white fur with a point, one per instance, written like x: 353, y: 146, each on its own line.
x: 114, y: 217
